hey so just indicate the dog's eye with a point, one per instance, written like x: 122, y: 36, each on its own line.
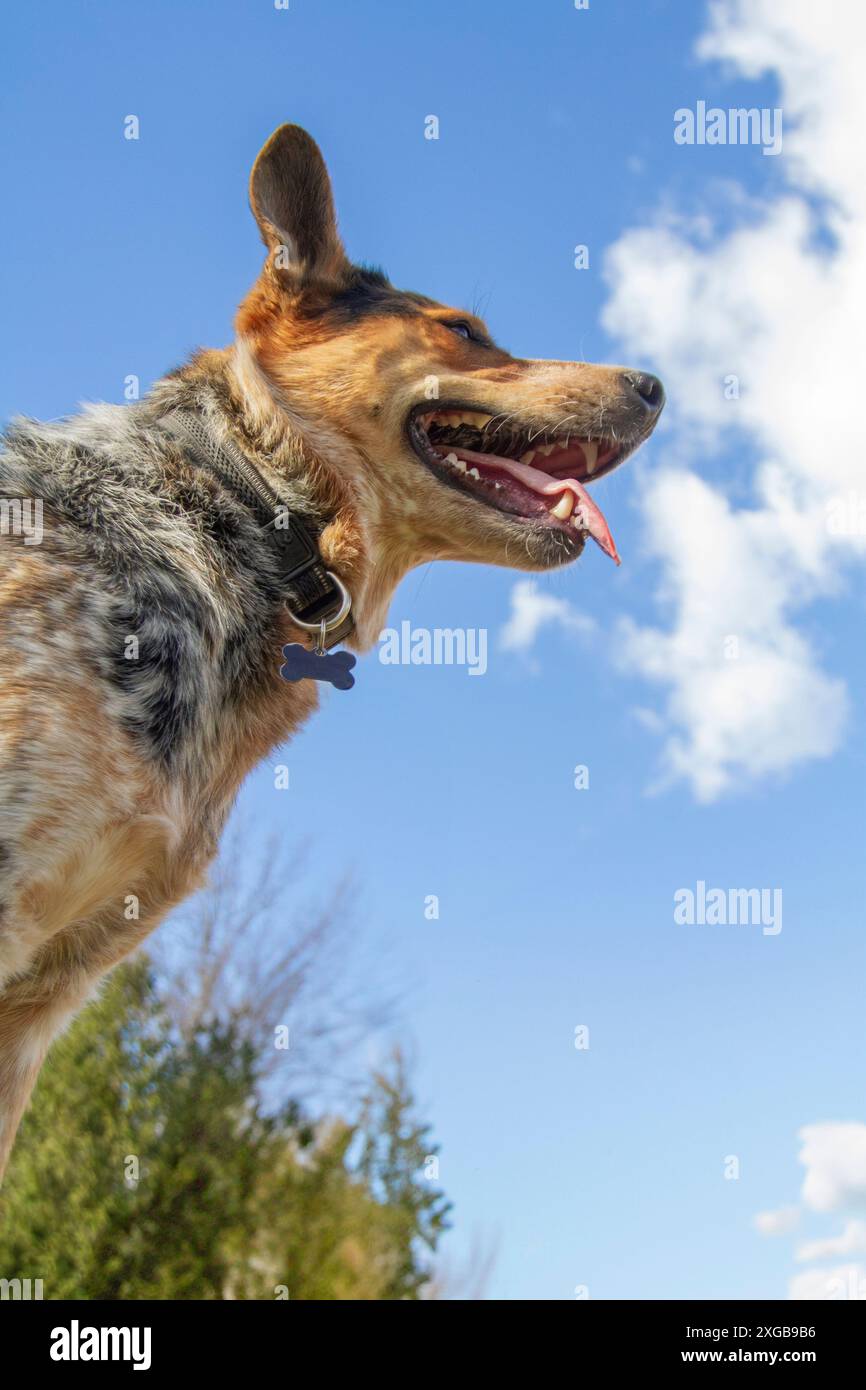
x: 462, y: 330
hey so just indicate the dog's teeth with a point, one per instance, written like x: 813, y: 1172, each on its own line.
x: 455, y: 462
x: 590, y: 453
x: 473, y: 473
x: 547, y: 449
x: 564, y: 506
x: 528, y: 456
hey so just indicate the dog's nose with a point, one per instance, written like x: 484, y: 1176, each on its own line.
x: 648, y: 388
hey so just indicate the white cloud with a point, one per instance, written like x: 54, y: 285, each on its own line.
x: 834, y: 1156
x: 842, y: 1282
x: 777, y: 1223
x: 746, y: 698
x: 531, y: 610
x: 852, y: 1241
x: 779, y: 308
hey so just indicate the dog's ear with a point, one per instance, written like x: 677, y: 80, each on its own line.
x: 291, y: 199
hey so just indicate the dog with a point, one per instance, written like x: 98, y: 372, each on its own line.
x: 270, y: 493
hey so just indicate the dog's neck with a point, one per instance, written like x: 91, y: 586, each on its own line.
x: 312, y: 466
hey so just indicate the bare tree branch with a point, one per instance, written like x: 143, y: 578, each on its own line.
x: 467, y: 1281
x: 258, y: 951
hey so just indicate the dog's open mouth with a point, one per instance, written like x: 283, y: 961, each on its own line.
x: 521, y: 471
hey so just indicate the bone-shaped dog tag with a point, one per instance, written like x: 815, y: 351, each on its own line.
x: 303, y: 664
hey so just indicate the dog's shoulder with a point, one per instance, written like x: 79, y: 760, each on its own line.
x: 144, y: 546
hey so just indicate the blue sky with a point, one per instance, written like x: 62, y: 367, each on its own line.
x: 602, y: 1167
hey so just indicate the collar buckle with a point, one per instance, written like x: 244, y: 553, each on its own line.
x: 328, y: 623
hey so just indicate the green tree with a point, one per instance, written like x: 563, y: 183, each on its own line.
x: 399, y: 1164
x: 149, y: 1167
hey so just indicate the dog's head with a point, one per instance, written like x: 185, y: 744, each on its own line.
x: 453, y: 447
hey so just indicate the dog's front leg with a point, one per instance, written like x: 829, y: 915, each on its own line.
x: 33, y: 1010
x: 37, y: 1004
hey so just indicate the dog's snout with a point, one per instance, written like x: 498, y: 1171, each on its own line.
x: 647, y: 388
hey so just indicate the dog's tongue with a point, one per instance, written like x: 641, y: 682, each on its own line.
x: 591, y: 516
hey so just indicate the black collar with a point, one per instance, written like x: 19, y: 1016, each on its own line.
x: 316, y: 599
